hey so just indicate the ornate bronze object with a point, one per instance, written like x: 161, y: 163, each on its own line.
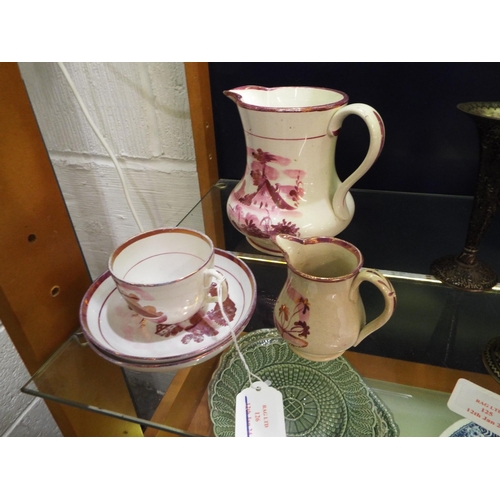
x: 491, y: 358
x: 465, y: 271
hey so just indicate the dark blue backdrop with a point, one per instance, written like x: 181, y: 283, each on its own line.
x: 431, y: 147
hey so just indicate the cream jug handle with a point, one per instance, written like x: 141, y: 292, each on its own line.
x: 385, y: 286
x: 377, y: 135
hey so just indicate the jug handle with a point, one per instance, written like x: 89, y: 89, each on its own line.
x: 385, y: 286
x: 377, y: 136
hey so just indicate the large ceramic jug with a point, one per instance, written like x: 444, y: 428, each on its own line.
x: 319, y: 311
x: 290, y: 184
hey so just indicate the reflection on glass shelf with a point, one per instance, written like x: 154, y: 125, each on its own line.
x: 418, y: 412
x: 77, y: 376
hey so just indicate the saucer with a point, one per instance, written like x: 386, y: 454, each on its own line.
x: 466, y: 428
x: 165, y: 367
x: 122, y: 335
x: 320, y: 398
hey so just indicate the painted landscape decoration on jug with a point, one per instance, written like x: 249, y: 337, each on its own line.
x: 268, y: 194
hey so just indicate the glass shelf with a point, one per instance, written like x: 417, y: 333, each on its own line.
x: 436, y: 335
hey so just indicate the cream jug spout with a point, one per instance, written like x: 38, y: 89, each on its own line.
x: 295, y: 250
x: 287, y: 244
x: 320, y: 258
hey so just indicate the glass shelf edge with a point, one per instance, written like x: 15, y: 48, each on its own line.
x: 109, y: 413
x: 102, y: 411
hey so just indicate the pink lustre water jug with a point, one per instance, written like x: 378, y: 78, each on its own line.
x: 290, y: 185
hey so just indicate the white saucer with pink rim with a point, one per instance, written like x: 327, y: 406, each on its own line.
x: 122, y: 336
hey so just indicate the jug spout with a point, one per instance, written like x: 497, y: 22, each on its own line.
x: 288, y: 245
x: 295, y: 250
x: 234, y: 95
x: 239, y: 94
x: 320, y: 258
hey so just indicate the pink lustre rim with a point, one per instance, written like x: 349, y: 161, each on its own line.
x: 238, y: 99
x: 153, y: 232
x: 324, y: 239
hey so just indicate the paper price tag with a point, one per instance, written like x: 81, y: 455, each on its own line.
x: 479, y: 405
x: 259, y: 412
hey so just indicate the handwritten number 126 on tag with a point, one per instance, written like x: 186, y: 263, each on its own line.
x: 259, y: 412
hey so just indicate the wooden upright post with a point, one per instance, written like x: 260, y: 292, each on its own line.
x: 200, y: 103
x: 43, y: 275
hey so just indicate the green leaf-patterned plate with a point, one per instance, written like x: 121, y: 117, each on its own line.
x: 320, y: 398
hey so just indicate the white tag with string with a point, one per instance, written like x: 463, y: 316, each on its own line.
x: 259, y: 408
x: 259, y: 412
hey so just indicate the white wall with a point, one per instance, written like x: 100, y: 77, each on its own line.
x: 142, y: 111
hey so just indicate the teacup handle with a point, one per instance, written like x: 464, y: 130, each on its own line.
x: 220, y: 280
x: 385, y: 286
x: 377, y: 135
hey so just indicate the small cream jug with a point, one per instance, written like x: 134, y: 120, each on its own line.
x: 319, y: 311
x: 291, y: 185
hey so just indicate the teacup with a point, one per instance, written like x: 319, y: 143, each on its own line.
x: 166, y: 274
